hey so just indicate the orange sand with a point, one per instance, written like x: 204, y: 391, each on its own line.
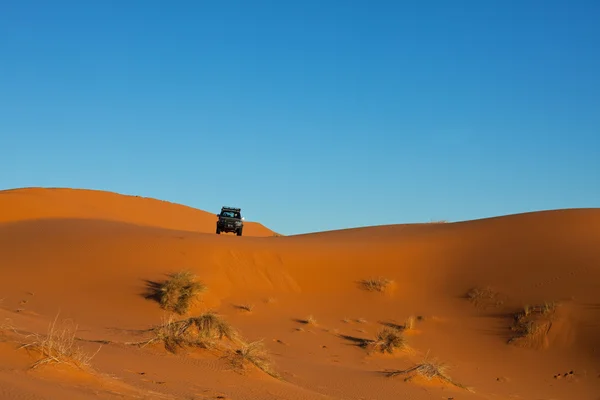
x: 86, y: 256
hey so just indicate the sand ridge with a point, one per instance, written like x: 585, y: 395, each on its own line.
x: 84, y: 255
x: 65, y: 203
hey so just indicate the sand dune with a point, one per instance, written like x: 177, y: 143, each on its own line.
x: 90, y: 256
x: 39, y: 203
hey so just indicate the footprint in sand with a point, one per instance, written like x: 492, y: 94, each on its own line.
x: 565, y: 375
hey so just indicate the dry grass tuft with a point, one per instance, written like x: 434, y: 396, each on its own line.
x: 428, y: 369
x: 59, y: 346
x: 375, y: 284
x: 203, y: 331
x: 245, y: 307
x: 409, y: 323
x: 209, y: 331
x: 6, y: 328
x: 484, y: 297
x: 387, y: 340
x: 178, y: 293
x: 310, y: 320
x: 532, y: 325
x: 253, y: 353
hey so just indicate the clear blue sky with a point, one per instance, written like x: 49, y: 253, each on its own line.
x: 310, y: 115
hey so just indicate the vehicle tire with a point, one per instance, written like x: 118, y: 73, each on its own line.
x: 239, y: 232
x: 218, y: 231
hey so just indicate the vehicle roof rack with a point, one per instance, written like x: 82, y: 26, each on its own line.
x: 231, y: 209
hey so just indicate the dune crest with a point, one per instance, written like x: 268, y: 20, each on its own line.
x: 65, y: 203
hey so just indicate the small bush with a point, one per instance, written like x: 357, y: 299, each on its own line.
x: 532, y: 325
x: 203, y: 331
x: 483, y: 297
x: 375, y: 284
x: 253, y: 353
x: 387, y: 341
x: 178, y: 293
x: 428, y: 369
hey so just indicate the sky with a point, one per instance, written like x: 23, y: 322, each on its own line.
x: 309, y: 115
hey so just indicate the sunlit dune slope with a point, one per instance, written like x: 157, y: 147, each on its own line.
x: 41, y: 203
x: 95, y: 268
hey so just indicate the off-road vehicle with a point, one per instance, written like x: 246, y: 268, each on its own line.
x: 230, y: 220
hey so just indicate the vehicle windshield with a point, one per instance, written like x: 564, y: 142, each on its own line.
x: 230, y: 214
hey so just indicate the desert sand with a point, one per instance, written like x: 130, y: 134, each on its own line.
x: 510, y: 304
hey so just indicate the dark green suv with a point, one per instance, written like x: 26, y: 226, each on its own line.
x: 230, y: 220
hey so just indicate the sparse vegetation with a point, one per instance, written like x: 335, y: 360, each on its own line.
x: 428, y: 369
x: 6, y: 327
x: 209, y: 331
x: 59, y: 346
x: 245, y: 307
x: 252, y: 353
x: 203, y: 331
x: 178, y: 293
x: 532, y: 325
x: 388, y: 340
x: 408, y: 324
x: 379, y: 284
x: 310, y: 320
x: 484, y: 297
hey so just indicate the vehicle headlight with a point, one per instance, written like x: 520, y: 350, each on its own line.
x: 238, y: 222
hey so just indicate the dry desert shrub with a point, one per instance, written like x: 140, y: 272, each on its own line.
x: 203, y: 331
x: 58, y: 346
x: 428, y: 369
x: 375, y: 284
x: 483, y: 297
x: 209, y: 331
x: 252, y: 353
x: 178, y: 293
x: 532, y: 325
x: 388, y: 340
